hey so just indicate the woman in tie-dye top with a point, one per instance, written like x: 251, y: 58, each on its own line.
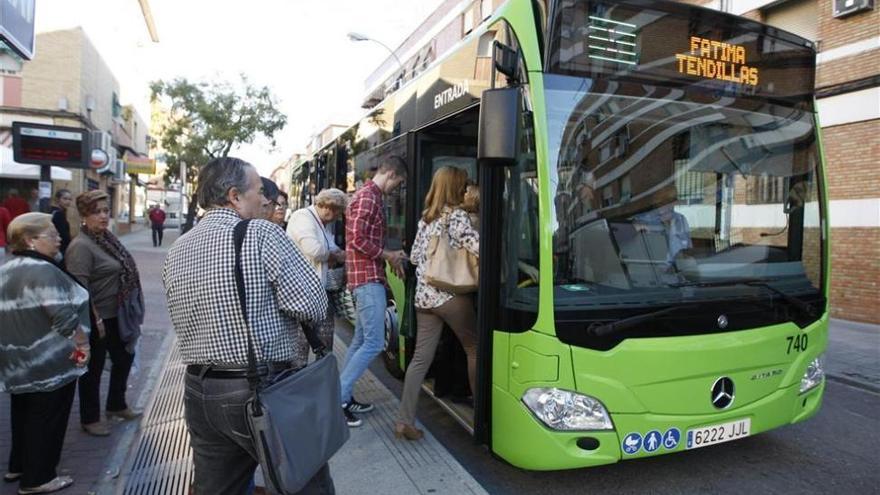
x: 43, y: 350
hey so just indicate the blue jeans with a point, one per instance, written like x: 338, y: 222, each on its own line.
x: 369, y: 334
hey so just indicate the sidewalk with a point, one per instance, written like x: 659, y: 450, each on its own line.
x: 156, y: 458
x: 853, y: 355
x: 92, y: 460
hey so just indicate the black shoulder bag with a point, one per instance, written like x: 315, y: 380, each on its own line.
x: 295, y: 418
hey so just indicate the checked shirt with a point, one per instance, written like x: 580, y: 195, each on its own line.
x: 365, y: 237
x: 280, y: 286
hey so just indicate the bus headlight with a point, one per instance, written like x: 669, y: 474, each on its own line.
x: 566, y: 410
x: 814, y: 375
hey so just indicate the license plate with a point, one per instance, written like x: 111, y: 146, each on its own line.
x: 720, y: 433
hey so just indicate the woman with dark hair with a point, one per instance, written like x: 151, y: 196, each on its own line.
x: 107, y: 269
x: 279, y: 215
x: 44, y: 347
x: 63, y: 200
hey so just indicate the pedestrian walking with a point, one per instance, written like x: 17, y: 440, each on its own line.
x: 63, y: 200
x: 34, y: 200
x: 15, y: 203
x: 5, y: 219
x: 157, y: 223
x: 44, y: 348
x: 102, y: 264
x: 365, y: 259
x: 310, y: 229
x: 282, y: 290
x: 436, y: 307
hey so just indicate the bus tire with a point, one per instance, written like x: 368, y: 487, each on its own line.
x: 391, y: 352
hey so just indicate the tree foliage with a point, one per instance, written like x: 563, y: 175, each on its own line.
x: 206, y: 120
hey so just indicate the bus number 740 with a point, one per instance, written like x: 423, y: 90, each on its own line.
x: 797, y: 342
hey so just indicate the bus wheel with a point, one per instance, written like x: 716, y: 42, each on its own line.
x: 391, y: 353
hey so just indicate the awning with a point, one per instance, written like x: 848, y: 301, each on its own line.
x: 11, y: 169
x: 138, y: 164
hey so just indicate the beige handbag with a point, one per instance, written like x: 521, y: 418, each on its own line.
x: 450, y: 269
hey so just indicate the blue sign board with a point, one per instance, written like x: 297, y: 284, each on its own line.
x: 17, y: 26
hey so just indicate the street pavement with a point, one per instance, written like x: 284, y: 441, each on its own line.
x: 853, y: 355
x: 836, y: 450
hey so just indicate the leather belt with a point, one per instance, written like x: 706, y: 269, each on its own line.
x: 235, y: 371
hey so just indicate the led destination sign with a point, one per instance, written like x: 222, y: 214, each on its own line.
x: 712, y: 59
x: 674, y: 46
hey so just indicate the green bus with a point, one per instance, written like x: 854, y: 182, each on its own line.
x: 654, y: 236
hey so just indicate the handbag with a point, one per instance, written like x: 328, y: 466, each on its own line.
x: 335, y: 277
x: 295, y: 418
x: 450, y: 269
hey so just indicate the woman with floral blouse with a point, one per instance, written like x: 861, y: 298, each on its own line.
x: 435, y: 307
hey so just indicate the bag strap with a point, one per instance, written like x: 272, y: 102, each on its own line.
x: 238, y: 235
x: 311, y: 335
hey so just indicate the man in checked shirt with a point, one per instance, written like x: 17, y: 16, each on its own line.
x: 365, y: 257
x: 281, y: 290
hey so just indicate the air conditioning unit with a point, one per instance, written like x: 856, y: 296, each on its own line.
x: 102, y: 140
x: 843, y: 8
x: 119, y: 169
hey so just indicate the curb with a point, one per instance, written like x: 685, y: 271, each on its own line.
x: 119, y: 459
x: 859, y: 384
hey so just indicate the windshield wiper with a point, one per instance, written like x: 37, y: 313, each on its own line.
x: 801, y: 306
x: 606, y: 329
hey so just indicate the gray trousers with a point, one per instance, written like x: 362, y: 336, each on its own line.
x: 459, y: 314
x: 224, y: 455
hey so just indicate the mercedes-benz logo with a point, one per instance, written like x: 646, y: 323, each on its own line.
x: 723, y: 393
x: 722, y: 322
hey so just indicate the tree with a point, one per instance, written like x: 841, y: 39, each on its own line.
x: 208, y: 120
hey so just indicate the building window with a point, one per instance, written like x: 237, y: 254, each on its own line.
x: 688, y: 184
x: 485, y: 8
x: 625, y: 188
x: 607, y: 196
x: 117, y: 107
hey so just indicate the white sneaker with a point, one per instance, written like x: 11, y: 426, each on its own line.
x: 59, y: 483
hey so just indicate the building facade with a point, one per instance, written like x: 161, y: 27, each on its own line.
x: 68, y: 83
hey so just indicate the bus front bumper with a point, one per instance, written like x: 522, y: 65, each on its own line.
x: 523, y: 441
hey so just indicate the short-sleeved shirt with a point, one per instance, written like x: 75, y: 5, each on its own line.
x: 365, y: 237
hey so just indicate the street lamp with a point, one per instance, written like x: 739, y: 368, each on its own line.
x: 362, y: 37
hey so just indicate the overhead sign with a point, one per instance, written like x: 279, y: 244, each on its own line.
x: 41, y: 144
x: 135, y: 164
x: 17, y: 26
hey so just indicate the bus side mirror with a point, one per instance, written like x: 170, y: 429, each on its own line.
x: 498, y: 141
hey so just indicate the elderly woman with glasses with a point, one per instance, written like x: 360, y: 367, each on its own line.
x: 311, y: 230
x: 44, y: 348
x: 107, y: 269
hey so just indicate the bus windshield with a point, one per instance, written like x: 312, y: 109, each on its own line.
x: 662, y: 198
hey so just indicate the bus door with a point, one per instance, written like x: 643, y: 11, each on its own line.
x: 451, y: 142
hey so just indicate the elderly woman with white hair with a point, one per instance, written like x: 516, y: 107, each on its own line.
x: 311, y: 230
x: 44, y: 348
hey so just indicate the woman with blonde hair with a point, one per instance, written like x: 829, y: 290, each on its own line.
x: 310, y: 229
x: 44, y: 348
x: 434, y: 307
